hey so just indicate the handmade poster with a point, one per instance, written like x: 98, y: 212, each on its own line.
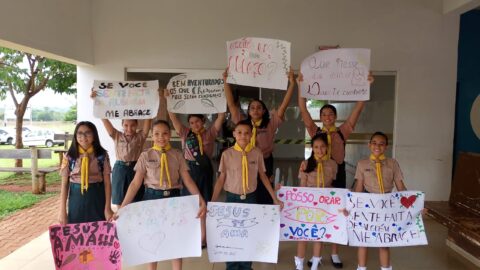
x: 313, y: 214
x: 242, y: 232
x: 386, y: 220
x: 159, y: 230
x: 199, y: 92
x: 258, y: 62
x: 92, y: 245
x: 126, y: 99
x: 337, y: 74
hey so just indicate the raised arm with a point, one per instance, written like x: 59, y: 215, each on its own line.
x: 355, y: 114
x: 232, y: 107
x: 302, y: 104
x: 288, y: 96
x: 177, y: 124
x: 147, y: 123
x: 219, y: 121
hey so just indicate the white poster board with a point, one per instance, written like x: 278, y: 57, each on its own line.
x: 386, y: 220
x: 337, y: 74
x: 242, y: 232
x: 126, y: 99
x: 313, y: 214
x: 196, y: 93
x: 258, y: 62
x: 158, y: 230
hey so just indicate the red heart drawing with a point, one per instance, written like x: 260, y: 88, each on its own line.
x: 280, y: 195
x: 294, y: 189
x: 335, y: 227
x: 407, y: 202
x: 328, y: 235
x: 315, y: 203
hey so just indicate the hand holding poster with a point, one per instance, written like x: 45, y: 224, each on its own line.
x: 159, y: 230
x: 199, y: 92
x: 92, y: 245
x: 386, y: 220
x: 126, y: 100
x: 242, y: 232
x: 337, y: 74
x: 259, y: 62
x: 313, y: 214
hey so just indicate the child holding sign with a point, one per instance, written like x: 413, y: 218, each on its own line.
x: 159, y: 169
x: 128, y: 147
x: 198, y: 142
x: 337, y: 137
x: 377, y: 174
x: 318, y: 171
x: 265, y: 125
x: 85, y: 173
x: 239, y: 167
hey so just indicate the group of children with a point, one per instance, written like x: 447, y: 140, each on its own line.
x: 245, y: 170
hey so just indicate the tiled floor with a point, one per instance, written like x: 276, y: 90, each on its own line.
x: 37, y: 255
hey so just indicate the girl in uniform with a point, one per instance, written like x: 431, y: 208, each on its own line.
x: 318, y: 171
x: 377, y: 174
x: 198, y: 143
x: 128, y: 146
x: 337, y: 137
x: 160, y: 169
x: 85, y: 173
x: 239, y: 167
x: 265, y: 125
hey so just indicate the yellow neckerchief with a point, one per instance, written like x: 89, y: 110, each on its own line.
x: 320, y: 172
x: 84, y: 168
x: 329, y: 138
x: 199, y: 138
x: 255, y: 124
x: 163, y: 163
x: 378, y: 165
x: 248, y: 148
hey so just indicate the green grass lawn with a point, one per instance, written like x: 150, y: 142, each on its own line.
x: 11, y: 202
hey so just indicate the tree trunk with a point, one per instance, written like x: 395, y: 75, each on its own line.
x: 20, y: 112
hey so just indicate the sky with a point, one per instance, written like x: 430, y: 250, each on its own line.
x: 46, y: 98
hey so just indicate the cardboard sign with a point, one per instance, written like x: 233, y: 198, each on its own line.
x: 337, y: 74
x: 259, y: 62
x: 159, y: 230
x: 313, y: 214
x: 200, y: 92
x: 242, y: 232
x: 126, y: 100
x: 92, y: 245
x: 386, y: 220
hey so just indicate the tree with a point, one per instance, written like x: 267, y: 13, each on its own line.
x: 71, y: 114
x: 23, y: 75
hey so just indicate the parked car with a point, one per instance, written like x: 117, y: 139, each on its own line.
x: 41, y: 137
x: 7, y: 136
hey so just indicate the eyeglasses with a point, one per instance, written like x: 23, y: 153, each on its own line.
x: 84, y: 134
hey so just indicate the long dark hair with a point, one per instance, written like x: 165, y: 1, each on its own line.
x: 265, y: 116
x: 312, y: 162
x: 98, y: 150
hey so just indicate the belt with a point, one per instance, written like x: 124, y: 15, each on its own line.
x: 126, y: 163
x: 164, y: 192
